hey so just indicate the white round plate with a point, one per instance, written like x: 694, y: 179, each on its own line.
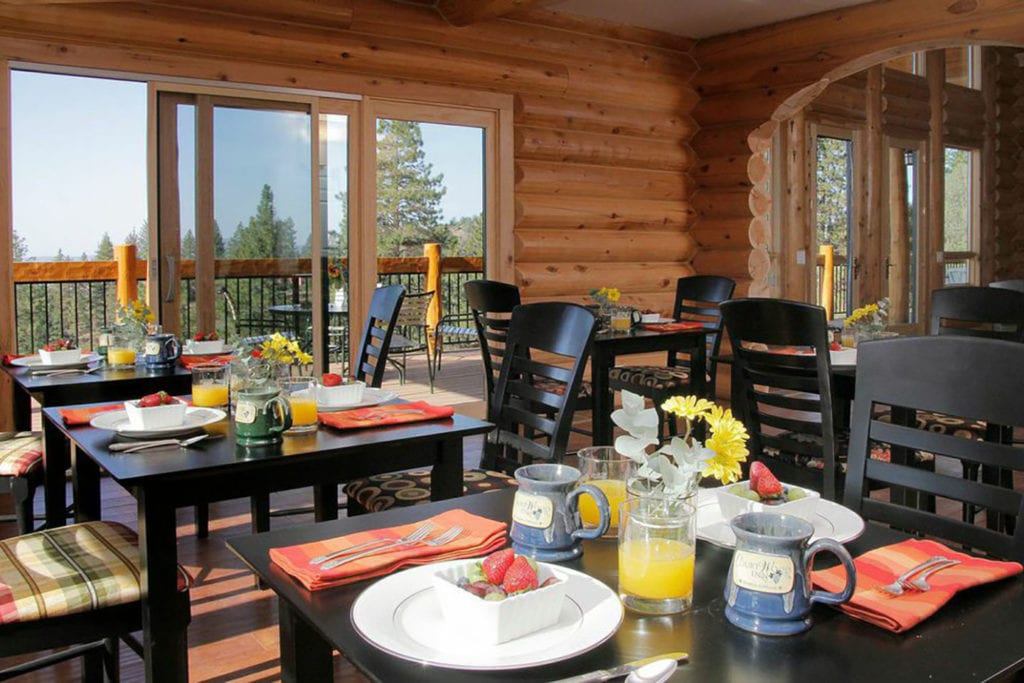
x: 36, y: 363
x: 371, y: 397
x: 831, y: 520
x: 226, y: 351
x: 195, y: 419
x: 844, y: 357
x: 400, y: 615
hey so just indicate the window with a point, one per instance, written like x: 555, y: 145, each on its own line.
x: 960, y: 228
x: 833, y: 214
x: 961, y: 66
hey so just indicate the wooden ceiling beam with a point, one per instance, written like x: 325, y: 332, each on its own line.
x: 466, y: 12
x: 336, y: 14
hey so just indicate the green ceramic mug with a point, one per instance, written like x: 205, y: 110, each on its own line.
x: 261, y: 415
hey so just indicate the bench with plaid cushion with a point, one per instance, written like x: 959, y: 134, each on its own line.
x: 20, y: 454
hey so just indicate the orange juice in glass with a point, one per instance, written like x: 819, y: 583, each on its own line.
x: 120, y: 357
x: 609, y: 471
x: 657, y: 541
x: 301, y: 396
x: 210, y: 385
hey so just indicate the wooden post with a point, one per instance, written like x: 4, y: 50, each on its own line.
x: 127, y: 285
x: 898, y: 261
x: 432, y: 252
x: 828, y: 283
x: 8, y: 333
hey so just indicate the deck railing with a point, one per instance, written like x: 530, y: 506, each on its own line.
x: 78, y: 298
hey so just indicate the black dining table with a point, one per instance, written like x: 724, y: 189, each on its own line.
x: 101, y: 384
x: 217, y: 469
x: 608, y: 345
x: 975, y: 637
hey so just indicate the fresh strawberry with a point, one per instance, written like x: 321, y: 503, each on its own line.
x: 768, y: 486
x: 330, y: 379
x: 521, y: 576
x: 166, y: 398
x: 199, y: 337
x: 496, y: 564
x: 756, y: 470
x: 834, y: 346
x: 151, y: 401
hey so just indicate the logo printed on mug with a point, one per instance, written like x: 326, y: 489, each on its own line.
x: 245, y: 413
x: 533, y: 511
x: 764, y: 573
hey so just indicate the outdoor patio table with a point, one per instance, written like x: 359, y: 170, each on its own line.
x: 164, y: 480
x: 105, y: 384
x: 973, y: 638
x: 608, y: 345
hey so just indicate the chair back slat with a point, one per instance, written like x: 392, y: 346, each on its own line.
x: 957, y: 376
x: 492, y: 303
x: 380, y: 325
x: 780, y: 394
x: 698, y: 297
x: 993, y: 312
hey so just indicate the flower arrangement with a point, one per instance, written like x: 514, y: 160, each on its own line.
x: 675, y: 469
x: 281, y: 351
x: 869, y: 321
x: 267, y: 362
x: 606, y: 296
x: 336, y: 274
x: 136, y: 313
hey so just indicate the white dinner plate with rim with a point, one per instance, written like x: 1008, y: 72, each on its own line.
x: 36, y: 363
x: 371, y: 397
x: 227, y: 351
x: 831, y: 520
x: 195, y: 419
x: 400, y: 615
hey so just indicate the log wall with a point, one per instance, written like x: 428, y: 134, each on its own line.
x: 1008, y: 205
x: 601, y: 112
x: 752, y: 81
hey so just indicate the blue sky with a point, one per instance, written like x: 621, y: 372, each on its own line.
x: 79, y: 162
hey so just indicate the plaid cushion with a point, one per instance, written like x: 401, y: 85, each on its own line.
x: 70, y: 570
x: 943, y: 424
x: 384, y: 491
x: 879, y: 451
x: 555, y: 387
x: 661, y: 378
x: 20, y: 454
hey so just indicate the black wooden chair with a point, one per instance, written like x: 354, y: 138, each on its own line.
x: 561, y: 334
x: 698, y: 298
x: 1015, y: 285
x: 782, y: 390
x: 369, y: 367
x: 991, y: 312
x: 975, y: 379
x: 77, y: 588
x: 21, y: 473
x: 492, y: 303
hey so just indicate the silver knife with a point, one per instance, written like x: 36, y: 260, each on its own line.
x: 622, y: 669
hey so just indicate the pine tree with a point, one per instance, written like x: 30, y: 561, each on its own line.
x: 266, y: 235
x: 408, y: 193
x: 20, y: 247
x: 140, y: 238
x: 188, y: 245
x: 105, y: 249
x: 468, y: 232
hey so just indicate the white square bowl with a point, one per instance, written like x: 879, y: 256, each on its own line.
x: 340, y: 395
x: 203, y: 348
x: 497, y: 621
x: 731, y: 505
x: 60, y: 357
x: 156, y: 417
x: 650, y: 318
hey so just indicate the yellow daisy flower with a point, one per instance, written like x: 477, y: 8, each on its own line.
x: 690, y: 407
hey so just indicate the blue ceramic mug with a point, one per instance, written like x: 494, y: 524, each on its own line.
x: 768, y: 590
x: 545, y: 515
x: 162, y: 350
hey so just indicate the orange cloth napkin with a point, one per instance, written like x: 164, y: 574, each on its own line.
x: 480, y: 536
x: 881, y: 566
x: 379, y: 416
x: 681, y: 326
x: 82, y: 416
x: 8, y: 357
x: 220, y: 359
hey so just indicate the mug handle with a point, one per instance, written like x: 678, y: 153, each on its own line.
x: 602, y: 507
x: 175, y: 346
x: 282, y: 414
x: 825, y: 597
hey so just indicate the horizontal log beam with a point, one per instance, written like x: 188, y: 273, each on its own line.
x: 539, y: 177
x: 466, y: 12
x: 613, y: 246
x: 333, y: 14
x: 546, y: 211
x: 545, y: 111
x: 546, y: 144
x: 546, y: 279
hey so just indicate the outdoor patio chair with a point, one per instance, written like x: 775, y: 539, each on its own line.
x: 553, y: 331
x: 412, y: 335
x: 21, y: 472
x: 75, y: 587
x: 698, y: 298
x: 974, y: 379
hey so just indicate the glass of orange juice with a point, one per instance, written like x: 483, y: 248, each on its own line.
x: 301, y: 395
x: 609, y: 471
x: 657, y: 542
x: 210, y: 385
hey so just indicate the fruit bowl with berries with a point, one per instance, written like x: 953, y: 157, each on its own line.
x: 60, y: 352
x: 333, y: 390
x: 763, y: 492
x: 204, y: 343
x: 500, y: 598
x: 156, y: 411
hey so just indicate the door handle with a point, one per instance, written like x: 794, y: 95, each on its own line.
x: 170, y: 279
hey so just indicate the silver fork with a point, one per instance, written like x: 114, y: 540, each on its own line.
x: 127, y: 447
x: 920, y: 583
x: 897, y: 587
x: 417, y: 534
x: 446, y: 537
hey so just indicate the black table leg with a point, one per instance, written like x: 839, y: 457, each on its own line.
x: 55, y: 465
x: 165, y: 635
x: 22, y: 409
x: 86, y: 487
x: 305, y: 656
x: 446, y: 476
x: 325, y: 502
x: 601, y: 362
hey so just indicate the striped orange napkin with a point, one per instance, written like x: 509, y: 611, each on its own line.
x: 480, y: 536
x: 380, y: 416
x: 681, y: 326
x: 881, y: 566
x: 220, y: 359
x: 82, y: 416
